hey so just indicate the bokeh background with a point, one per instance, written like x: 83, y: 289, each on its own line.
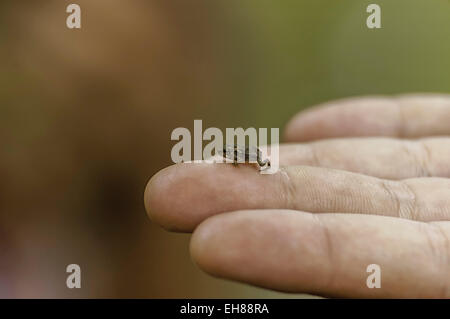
x: 86, y: 117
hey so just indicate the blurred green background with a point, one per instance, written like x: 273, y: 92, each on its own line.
x: 86, y: 117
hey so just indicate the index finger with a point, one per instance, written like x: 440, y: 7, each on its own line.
x: 183, y: 195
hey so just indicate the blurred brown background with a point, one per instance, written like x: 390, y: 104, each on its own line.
x: 86, y: 117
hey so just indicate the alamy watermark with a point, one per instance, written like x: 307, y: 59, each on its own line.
x: 374, y: 279
x: 374, y: 19
x: 74, y: 279
x: 234, y: 149
x: 73, y: 21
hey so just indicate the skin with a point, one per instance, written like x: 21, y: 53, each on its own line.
x: 362, y: 181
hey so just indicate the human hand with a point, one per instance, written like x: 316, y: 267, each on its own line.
x: 342, y: 199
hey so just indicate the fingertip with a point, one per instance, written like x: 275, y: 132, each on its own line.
x: 181, y: 196
x: 288, y: 132
x: 310, y: 124
x: 296, y: 128
x: 216, y: 244
x: 246, y: 246
x: 355, y: 116
x: 152, y: 194
x: 159, y: 196
x: 201, y: 243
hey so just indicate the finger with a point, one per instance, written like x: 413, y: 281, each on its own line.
x: 326, y: 254
x: 381, y: 157
x: 183, y: 195
x: 406, y: 116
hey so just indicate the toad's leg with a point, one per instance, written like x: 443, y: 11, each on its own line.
x: 263, y: 163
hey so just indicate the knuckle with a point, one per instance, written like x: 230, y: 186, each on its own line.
x: 403, y: 197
